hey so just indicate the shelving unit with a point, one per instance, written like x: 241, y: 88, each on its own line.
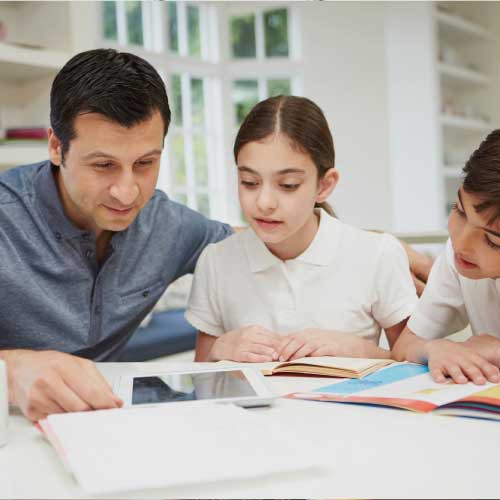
x: 465, y: 66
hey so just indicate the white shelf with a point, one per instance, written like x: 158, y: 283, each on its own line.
x: 471, y: 124
x: 452, y: 171
x: 459, y: 74
x: 22, y: 63
x: 454, y: 24
x: 11, y: 156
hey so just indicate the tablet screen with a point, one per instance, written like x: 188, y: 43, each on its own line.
x: 190, y: 387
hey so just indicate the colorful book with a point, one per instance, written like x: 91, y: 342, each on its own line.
x: 410, y: 387
x: 328, y: 366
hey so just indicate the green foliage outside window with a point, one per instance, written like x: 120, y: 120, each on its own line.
x: 110, y: 25
x: 243, y: 36
x: 134, y: 23
x: 276, y: 33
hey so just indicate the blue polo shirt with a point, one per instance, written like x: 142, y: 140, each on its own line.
x: 53, y: 293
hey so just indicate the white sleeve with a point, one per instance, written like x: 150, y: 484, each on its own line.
x: 441, y: 310
x: 203, y: 309
x: 396, y: 297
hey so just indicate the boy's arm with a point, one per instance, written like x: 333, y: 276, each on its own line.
x: 445, y: 359
x: 486, y: 346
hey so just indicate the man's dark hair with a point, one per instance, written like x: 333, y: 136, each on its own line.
x: 482, y: 176
x: 121, y: 86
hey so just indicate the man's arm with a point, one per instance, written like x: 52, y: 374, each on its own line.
x: 45, y: 382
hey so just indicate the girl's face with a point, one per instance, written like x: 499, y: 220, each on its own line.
x: 278, y: 187
x: 475, y: 243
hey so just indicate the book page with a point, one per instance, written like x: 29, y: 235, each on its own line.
x: 403, y: 382
x: 354, y: 364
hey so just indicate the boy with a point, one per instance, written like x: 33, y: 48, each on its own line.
x: 463, y: 285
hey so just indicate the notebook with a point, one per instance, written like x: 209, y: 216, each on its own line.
x: 409, y: 386
x: 110, y: 451
x: 328, y: 366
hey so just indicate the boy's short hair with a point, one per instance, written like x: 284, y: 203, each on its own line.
x: 482, y: 176
x: 121, y: 86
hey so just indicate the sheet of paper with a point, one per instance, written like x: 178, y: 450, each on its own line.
x: 119, y: 450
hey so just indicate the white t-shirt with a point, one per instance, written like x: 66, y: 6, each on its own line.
x: 451, y: 301
x: 347, y: 280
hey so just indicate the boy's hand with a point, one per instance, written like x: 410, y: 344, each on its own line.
x: 45, y: 382
x: 315, y: 342
x: 486, y: 346
x: 461, y: 363
x: 252, y: 344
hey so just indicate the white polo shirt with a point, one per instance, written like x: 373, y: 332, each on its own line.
x: 451, y: 301
x: 347, y: 280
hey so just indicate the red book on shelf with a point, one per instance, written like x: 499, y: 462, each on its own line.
x: 26, y: 133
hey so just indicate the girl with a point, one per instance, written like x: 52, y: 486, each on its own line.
x: 299, y: 282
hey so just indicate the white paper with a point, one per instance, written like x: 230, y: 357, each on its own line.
x: 128, y: 449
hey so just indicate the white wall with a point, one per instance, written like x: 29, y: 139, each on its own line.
x: 345, y: 74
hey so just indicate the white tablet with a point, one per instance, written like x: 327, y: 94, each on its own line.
x: 242, y: 386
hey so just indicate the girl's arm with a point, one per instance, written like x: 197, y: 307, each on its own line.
x: 250, y: 344
x: 204, y: 343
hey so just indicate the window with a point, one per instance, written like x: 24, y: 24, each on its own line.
x: 130, y: 23
x: 190, y: 142
x: 261, y: 34
x: 184, y: 29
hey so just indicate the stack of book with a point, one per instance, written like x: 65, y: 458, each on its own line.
x: 24, y: 136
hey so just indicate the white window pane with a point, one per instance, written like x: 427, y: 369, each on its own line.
x: 276, y: 33
x: 197, y: 105
x: 110, y: 24
x: 178, y: 163
x: 193, y: 17
x: 278, y: 86
x: 242, y: 30
x: 203, y: 204
x: 176, y: 99
x: 200, y: 160
x: 134, y: 23
x: 245, y: 97
x: 173, y: 27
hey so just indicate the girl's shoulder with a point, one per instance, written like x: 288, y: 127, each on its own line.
x: 226, y: 250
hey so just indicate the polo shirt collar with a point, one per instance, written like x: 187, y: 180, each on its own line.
x: 50, y: 205
x: 319, y: 253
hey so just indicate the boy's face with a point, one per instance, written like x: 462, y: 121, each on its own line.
x: 475, y: 243
x: 109, y: 172
x: 278, y: 187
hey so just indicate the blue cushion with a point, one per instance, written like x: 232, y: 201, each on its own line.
x: 167, y: 333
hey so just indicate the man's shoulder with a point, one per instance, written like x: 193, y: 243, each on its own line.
x: 18, y: 182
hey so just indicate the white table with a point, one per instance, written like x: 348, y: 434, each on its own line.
x: 367, y: 452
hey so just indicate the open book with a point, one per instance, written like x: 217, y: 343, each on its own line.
x: 410, y: 387
x: 328, y: 366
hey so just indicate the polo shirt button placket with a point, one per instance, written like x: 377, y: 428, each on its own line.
x: 58, y: 236
x: 89, y: 254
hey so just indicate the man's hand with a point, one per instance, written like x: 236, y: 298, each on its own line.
x: 460, y: 362
x: 315, y: 342
x: 420, y: 267
x: 486, y: 346
x: 45, y: 382
x: 252, y: 344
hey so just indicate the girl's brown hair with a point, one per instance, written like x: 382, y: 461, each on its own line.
x: 299, y: 119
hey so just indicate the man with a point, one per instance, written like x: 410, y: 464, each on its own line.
x: 87, y: 246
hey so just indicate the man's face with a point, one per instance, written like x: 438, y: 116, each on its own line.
x: 109, y: 172
x: 476, y: 244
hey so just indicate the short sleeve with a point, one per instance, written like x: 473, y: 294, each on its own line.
x: 441, y: 310
x: 396, y: 296
x: 196, y: 233
x: 203, y: 309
